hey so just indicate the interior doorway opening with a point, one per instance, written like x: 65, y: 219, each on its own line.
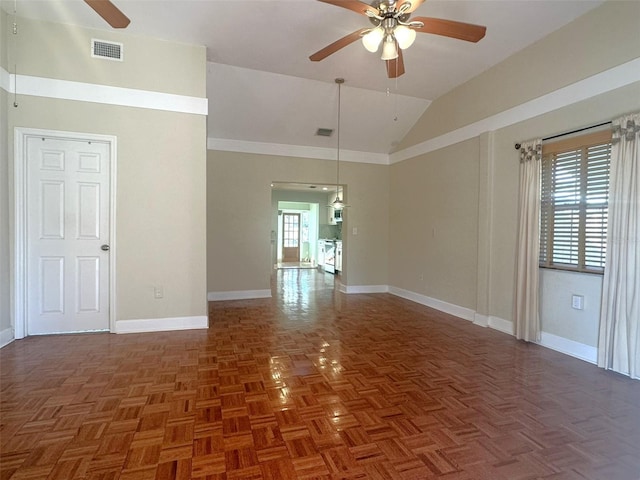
x: 310, y: 204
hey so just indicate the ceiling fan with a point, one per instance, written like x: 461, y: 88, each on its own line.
x: 111, y: 14
x: 395, y: 30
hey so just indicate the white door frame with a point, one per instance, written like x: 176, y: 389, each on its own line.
x: 19, y: 278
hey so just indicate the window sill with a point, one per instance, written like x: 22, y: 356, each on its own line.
x: 572, y: 270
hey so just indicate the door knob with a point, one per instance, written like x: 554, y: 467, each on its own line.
x: 105, y: 248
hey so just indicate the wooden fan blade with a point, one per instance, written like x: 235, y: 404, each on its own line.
x: 414, y: 4
x: 449, y: 28
x: 353, y: 5
x: 337, y: 45
x: 395, y: 67
x: 111, y: 14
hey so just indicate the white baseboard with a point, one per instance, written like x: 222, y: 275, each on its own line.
x: 364, y: 288
x: 569, y: 347
x: 161, y: 324
x: 495, y: 323
x: 480, y: 320
x: 451, y: 309
x: 548, y: 340
x: 238, y: 295
x: 6, y: 337
x: 500, y: 324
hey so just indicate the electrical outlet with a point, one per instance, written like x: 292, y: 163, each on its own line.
x: 158, y: 292
x: 422, y: 277
x: 355, y: 230
x: 577, y: 302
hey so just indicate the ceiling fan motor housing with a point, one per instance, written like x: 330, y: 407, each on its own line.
x: 387, y: 10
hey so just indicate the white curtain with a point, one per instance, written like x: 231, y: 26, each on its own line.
x: 619, y: 342
x: 526, y: 302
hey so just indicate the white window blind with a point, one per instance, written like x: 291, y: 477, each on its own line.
x: 575, y: 193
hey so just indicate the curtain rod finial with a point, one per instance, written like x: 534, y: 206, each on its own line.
x: 517, y: 145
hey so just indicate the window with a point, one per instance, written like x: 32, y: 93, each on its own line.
x: 575, y: 194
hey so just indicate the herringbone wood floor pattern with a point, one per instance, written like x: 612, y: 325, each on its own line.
x: 313, y: 384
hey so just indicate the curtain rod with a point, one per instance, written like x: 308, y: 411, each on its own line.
x: 517, y: 145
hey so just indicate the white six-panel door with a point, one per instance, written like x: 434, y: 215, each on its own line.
x: 67, y: 235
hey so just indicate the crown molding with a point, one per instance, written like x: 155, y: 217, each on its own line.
x: 283, y: 150
x: 104, y: 94
x: 608, y: 80
x: 616, y: 77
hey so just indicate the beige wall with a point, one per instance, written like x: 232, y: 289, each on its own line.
x: 436, y: 217
x: 5, y: 23
x: 239, y: 217
x: 434, y: 223
x: 415, y: 249
x: 603, y: 38
x: 148, y: 64
x: 160, y: 224
x: 161, y: 159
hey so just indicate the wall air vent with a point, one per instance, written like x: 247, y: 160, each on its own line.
x: 324, y: 132
x: 106, y: 50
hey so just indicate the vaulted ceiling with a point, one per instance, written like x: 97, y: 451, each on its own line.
x: 264, y: 90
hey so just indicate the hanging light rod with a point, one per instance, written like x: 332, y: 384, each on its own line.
x: 338, y: 204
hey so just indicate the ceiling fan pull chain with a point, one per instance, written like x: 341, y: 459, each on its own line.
x: 395, y: 100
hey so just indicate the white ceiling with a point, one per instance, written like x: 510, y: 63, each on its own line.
x: 263, y: 88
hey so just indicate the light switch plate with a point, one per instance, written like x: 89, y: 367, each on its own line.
x: 577, y: 302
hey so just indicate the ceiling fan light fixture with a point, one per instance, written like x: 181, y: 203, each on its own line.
x: 389, y: 49
x: 405, y: 36
x: 371, y: 40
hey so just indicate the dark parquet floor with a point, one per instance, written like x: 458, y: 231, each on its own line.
x: 312, y: 384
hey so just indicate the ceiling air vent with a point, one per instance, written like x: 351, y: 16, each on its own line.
x: 106, y: 50
x: 324, y: 132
